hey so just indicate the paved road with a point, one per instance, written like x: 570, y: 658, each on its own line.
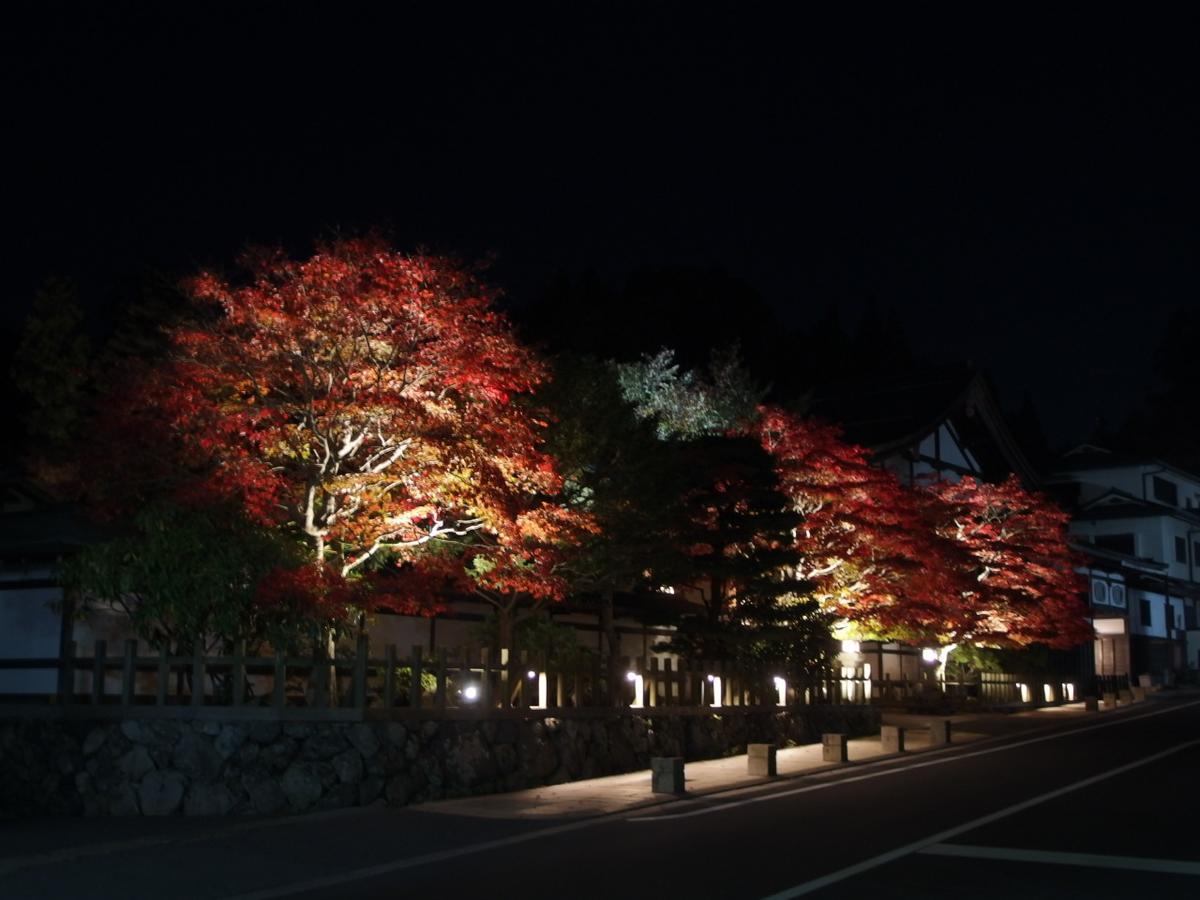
x: 1095, y: 808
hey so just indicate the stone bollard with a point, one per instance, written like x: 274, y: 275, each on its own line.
x: 666, y: 775
x: 939, y: 732
x: 1110, y: 700
x: 892, y: 738
x: 760, y: 760
x: 1124, y: 697
x: 1091, y: 704
x: 1138, y: 693
x: 833, y: 748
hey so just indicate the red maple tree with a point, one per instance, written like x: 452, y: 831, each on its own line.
x: 368, y: 403
x: 866, y: 547
x: 1025, y: 587
x: 965, y: 562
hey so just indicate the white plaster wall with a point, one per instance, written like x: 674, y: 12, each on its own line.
x: 30, y: 629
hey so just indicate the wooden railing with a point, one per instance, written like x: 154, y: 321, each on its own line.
x: 464, y: 682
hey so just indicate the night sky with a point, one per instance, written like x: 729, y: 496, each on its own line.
x: 1028, y: 204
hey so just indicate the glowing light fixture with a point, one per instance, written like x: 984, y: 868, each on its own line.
x: 542, y: 691
x: 851, y: 646
x: 781, y: 691
x: 470, y: 693
x: 929, y: 655
x: 716, y: 683
x: 531, y: 674
x: 639, y: 688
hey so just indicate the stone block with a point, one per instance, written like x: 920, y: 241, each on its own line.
x: 1138, y: 693
x: 760, y: 760
x: 892, y: 738
x: 834, y: 747
x: 666, y: 775
x: 1109, y: 700
x: 1124, y: 696
x: 1091, y: 704
x: 939, y: 732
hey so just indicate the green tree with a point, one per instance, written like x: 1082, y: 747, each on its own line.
x: 187, y: 574
x: 738, y: 531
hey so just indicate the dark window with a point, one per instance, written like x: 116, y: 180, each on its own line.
x: 1166, y: 491
x: 1196, y: 553
x: 1099, y: 592
x: 1145, y: 610
x: 1189, y: 617
x: 1116, y: 596
x: 1180, y: 550
x: 1122, y: 543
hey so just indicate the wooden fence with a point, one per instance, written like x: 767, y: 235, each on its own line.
x: 463, y: 683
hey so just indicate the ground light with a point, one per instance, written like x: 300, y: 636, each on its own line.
x: 639, y: 685
x: 542, y: 692
x: 716, y: 683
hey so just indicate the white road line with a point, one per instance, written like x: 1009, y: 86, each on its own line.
x: 313, y: 884
x: 825, y: 881
x: 1091, y: 860
x: 722, y: 807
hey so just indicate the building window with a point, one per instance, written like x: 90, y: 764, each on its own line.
x: 1180, y: 550
x: 1121, y: 543
x: 1166, y: 491
x: 1099, y: 592
x: 1189, y: 617
x: 1147, y: 617
x: 1116, y: 596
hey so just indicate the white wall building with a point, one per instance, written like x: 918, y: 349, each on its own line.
x: 1138, y: 522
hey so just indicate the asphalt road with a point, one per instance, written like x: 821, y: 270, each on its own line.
x: 1095, y: 808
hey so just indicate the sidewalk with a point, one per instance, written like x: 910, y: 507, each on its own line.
x: 618, y: 793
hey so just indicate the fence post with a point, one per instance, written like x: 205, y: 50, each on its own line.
x: 98, y: 673
x: 164, y: 674
x: 440, y: 671
x: 66, y: 674
x: 414, y: 682
x: 127, y: 672
x: 485, y: 681
x: 669, y: 681
x: 389, y: 676
x: 279, y: 688
x: 361, y: 654
x: 198, y: 672
x: 239, y: 673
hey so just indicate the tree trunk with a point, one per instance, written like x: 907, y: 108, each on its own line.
x: 506, y: 628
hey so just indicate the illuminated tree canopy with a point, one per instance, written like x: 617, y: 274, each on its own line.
x: 367, y: 403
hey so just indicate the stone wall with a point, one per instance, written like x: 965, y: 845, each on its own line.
x: 170, y: 766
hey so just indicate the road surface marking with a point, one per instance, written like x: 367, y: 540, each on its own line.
x: 825, y: 881
x: 763, y: 798
x: 1092, y: 860
x: 396, y: 865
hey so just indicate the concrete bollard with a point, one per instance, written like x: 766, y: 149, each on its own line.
x: 666, y: 775
x: 892, y: 738
x: 939, y: 732
x: 760, y: 760
x: 833, y: 748
x: 1124, y: 697
x: 1091, y: 704
x: 1110, y: 700
x: 1139, y: 693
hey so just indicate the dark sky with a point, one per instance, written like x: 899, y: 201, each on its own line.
x: 1028, y: 203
